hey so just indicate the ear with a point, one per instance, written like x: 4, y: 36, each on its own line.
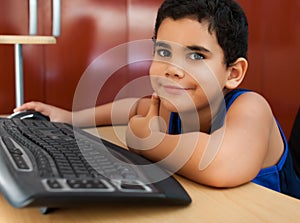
x: 237, y: 72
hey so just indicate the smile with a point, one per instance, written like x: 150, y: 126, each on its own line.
x: 171, y: 89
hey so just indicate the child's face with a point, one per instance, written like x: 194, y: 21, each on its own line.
x: 188, y: 70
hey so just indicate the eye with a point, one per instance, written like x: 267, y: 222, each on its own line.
x: 163, y: 53
x: 196, y: 56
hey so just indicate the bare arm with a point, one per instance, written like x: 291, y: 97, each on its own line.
x: 230, y: 156
x: 117, y: 112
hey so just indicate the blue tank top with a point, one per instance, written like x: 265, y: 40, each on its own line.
x: 281, y: 177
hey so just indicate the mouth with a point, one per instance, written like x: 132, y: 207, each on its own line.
x: 177, y: 90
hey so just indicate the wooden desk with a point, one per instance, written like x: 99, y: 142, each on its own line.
x: 248, y: 203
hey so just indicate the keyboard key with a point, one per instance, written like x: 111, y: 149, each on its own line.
x: 80, y: 162
x: 53, y: 183
x: 85, y: 184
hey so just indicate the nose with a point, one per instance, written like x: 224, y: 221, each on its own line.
x: 174, y: 71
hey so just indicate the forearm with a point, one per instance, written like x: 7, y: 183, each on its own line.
x: 177, y: 153
x: 114, y: 113
x: 203, y: 158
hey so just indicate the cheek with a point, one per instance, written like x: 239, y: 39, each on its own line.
x: 156, y: 68
x: 155, y: 72
x: 152, y: 68
x: 208, y: 82
x: 199, y: 98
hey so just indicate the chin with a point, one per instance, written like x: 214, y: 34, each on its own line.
x: 178, y: 107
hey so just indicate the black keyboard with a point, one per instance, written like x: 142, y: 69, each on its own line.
x: 50, y: 164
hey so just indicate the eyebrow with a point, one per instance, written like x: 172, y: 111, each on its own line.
x: 198, y: 48
x: 162, y: 44
x: 192, y: 47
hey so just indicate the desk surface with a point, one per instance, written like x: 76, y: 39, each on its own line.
x: 248, y: 203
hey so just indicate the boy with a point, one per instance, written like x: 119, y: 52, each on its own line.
x: 198, y: 123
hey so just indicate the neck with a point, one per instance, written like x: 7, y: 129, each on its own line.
x: 196, y: 121
x: 203, y: 119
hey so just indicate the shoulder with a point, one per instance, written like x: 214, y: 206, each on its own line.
x: 251, y: 104
x: 246, y: 136
x: 250, y: 117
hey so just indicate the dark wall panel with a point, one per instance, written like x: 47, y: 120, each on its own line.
x: 274, y: 43
x: 89, y: 28
x: 92, y: 41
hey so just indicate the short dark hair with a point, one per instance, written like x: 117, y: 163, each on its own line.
x: 225, y: 17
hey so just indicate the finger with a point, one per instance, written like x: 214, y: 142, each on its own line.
x: 37, y: 106
x: 26, y: 106
x: 154, y: 106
